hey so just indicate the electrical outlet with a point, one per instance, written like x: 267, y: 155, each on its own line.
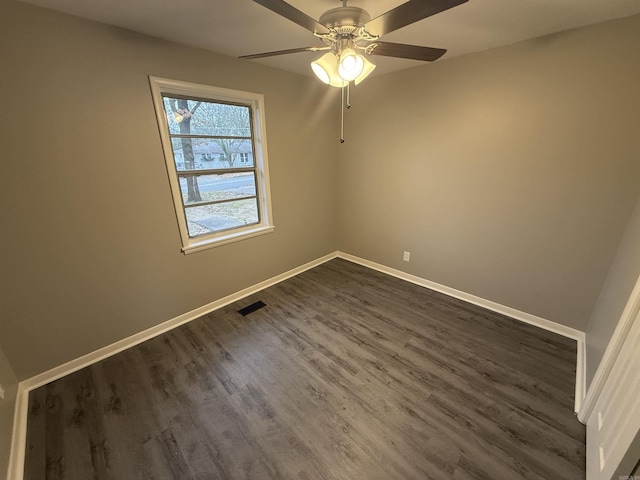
x: 1, y: 393
x: 406, y: 256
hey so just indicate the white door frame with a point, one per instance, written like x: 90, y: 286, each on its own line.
x: 611, y: 408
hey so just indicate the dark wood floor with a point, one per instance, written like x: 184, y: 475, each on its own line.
x: 346, y: 374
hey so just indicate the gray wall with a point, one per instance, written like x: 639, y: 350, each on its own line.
x: 508, y: 174
x: 622, y: 277
x: 92, y: 254
x: 9, y: 383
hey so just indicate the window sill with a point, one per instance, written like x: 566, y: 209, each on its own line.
x: 198, y: 246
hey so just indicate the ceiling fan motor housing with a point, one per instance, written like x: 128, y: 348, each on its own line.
x: 351, y: 17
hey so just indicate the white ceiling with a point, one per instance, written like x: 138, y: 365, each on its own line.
x: 241, y: 27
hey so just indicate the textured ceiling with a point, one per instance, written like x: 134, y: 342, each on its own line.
x: 241, y: 27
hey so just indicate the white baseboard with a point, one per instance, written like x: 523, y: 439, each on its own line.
x: 18, y: 443
x: 543, y: 323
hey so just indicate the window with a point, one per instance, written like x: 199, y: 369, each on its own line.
x: 215, y: 150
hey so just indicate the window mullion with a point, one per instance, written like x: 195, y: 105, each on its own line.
x: 215, y: 202
x: 213, y: 137
x: 213, y: 171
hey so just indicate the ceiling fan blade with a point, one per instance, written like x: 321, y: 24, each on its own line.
x: 284, y: 52
x: 407, y: 13
x: 292, y: 13
x: 413, y: 52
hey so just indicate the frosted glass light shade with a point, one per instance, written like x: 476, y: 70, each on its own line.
x: 366, y: 70
x: 326, y: 69
x: 351, y: 64
x: 320, y: 72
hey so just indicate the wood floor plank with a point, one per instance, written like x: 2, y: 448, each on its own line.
x: 346, y: 373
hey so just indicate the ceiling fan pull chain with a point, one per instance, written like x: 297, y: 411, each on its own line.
x: 348, y: 95
x: 342, y: 94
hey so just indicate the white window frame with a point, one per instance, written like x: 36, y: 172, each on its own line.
x: 255, y: 101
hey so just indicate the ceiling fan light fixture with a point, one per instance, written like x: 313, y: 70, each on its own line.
x: 346, y: 31
x: 366, y: 70
x: 320, y: 71
x: 351, y: 64
x: 326, y: 69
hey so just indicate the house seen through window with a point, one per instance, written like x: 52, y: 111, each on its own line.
x: 215, y: 152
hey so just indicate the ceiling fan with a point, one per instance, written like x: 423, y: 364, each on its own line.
x: 347, y: 32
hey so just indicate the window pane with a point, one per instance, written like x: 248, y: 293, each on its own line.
x: 217, y: 187
x: 221, y: 216
x: 208, y: 137
x: 207, y: 118
x: 207, y: 153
